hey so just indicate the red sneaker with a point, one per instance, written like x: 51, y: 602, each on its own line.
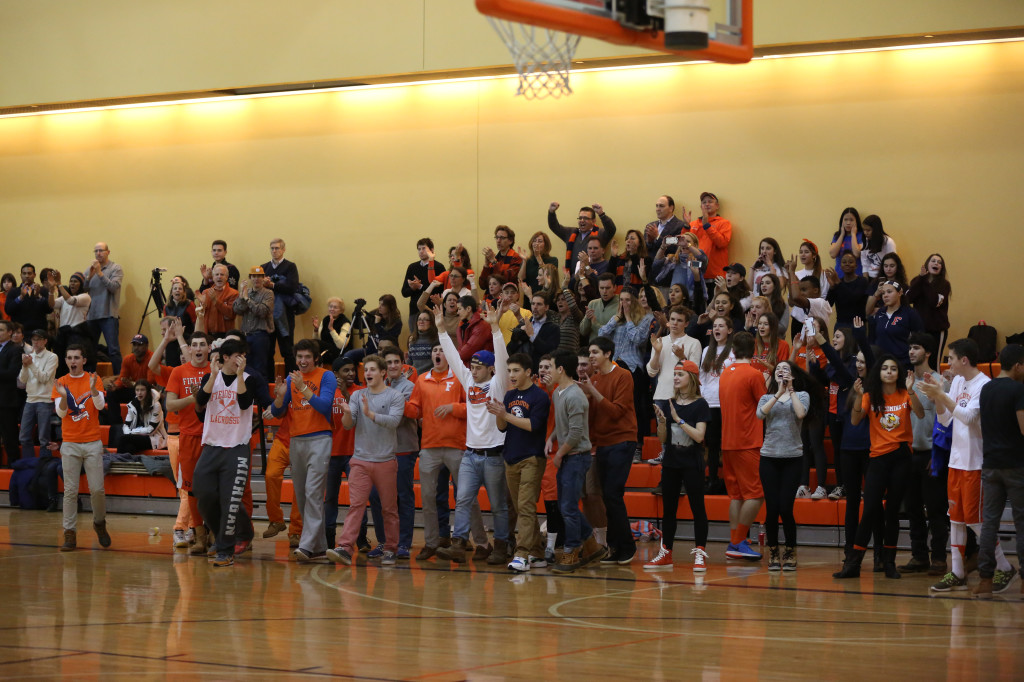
x: 663, y: 560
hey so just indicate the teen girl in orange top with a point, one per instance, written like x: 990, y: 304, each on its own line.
x: 886, y: 398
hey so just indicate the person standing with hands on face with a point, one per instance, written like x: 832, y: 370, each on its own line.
x: 222, y: 472
x: 103, y: 282
x: 576, y: 239
x: 255, y: 303
x: 419, y: 274
x: 307, y: 396
x: 77, y: 400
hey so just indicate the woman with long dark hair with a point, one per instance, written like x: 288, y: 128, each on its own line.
x: 783, y: 409
x: 683, y: 464
x: 180, y: 306
x: 886, y: 399
x: 769, y: 348
x: 892, y: 325
x: 807, y: 356
x: 7, y: 283
x: 770, y: 287
x: 143, y: 427
x: 539, y: 256
x: 422, y: 342
x: 633, y: 267
x: 892, y: 271
x: 929, y: 293
x: 714, y: 359
x: 849, y: 237
x: 876, y: 244
x: 769, y: 261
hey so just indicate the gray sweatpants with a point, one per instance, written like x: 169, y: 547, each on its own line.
x: 75, y: 457
x: 311, y: 457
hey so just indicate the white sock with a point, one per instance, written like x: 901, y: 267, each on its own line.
x: 599, y: 535
x: 552, y: 538
x: 1001, y: 563
x: 957, y: 540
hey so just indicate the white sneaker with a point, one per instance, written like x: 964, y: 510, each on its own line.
x: 519, y: 565
x: 819, y: 493
x: 837, y: 493
x: 179, y: 539
x: 658, y: 459
x: 802, y: 492
x: 538, y: 562
x: 699, y: 557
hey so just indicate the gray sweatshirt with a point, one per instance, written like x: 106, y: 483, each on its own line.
x: 377, y: 440
x: 572, y: 426
x: 923, y: 427
x: 782, y: 428
x: 408, y: 437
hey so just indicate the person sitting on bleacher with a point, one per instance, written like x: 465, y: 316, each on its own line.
x: 143, y: 427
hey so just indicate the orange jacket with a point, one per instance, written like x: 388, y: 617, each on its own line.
x: 433, y: 390
x: 714, y: 241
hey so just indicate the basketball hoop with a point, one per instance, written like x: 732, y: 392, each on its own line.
x: 542, y: 57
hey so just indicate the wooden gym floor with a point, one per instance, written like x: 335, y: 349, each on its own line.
x: 138, y: 610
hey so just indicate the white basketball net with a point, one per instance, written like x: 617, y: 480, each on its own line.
x: 542, y: 57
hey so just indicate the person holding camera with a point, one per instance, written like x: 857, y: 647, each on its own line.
x: 666, y: 227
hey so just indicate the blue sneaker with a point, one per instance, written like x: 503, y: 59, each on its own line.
x: 402, y: 553
x: 742, y: 551
x: 377, y: 552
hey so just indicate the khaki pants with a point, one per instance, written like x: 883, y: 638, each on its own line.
x: 524, y: 478
x: 75, y: 457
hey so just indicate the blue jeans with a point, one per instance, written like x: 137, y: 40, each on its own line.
x: 36, y: 416
x: 335, y: 469
x: 406, y: 503
x: 477, y: 470
x: 570, y: 478
x: 108, y: 327
x: 613, y: 463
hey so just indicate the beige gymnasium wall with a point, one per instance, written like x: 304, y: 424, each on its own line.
x: 929, y: 139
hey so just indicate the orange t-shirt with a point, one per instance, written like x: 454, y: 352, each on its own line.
x: 891, y: 428
x: 185, y: 380
x: 343, y: 441
x: 761, y: 360
x: 82, y: 422
x: 739, y: 389
x: 305, y: 418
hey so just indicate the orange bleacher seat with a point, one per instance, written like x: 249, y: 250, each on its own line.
x: 104, y: 369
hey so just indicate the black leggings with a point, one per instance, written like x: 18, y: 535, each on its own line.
x: 813, y: 436
x: 855, y: 466
x: 780, y: 477
x: 556, y: 524
x: 713, y: 441
x: 690, y: 474
x: 886, y: 479
x: 642, y: 403
x: 835, y: 435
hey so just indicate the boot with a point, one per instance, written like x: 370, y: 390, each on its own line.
x: 499, y: 555
x: 879, y: 555
x: 890, y: 563
x: 592, y: 551
x: 983, y: 590
x: 774, y: 561
x: 276, y: 527
x: 568, y: 562
x: 202, y: 543
x: 456, y: 552
x: 851, y: 567
x: 482, y: 552
x: 101, y: 533
x: 915, y: 565
x: 70, y: 541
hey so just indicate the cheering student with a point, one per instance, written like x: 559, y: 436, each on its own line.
x: 887, y: 405
x: 77, y: 401
x: 221, y: 474
x: 740, y: 391
x: 683, y: 463
x: 374, y: 412
x: 571, y: 460
x: 523, y: 416
x: 783, y: 410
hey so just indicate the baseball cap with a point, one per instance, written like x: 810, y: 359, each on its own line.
x: 737, y: 268
x: 140, y: 338
x: 341, y: 361
x: 484, y: 357
x: 688, y: 366
x: 40, y: 333
x: 708, y: 194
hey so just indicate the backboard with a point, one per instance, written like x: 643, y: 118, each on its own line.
x: 716, y: 30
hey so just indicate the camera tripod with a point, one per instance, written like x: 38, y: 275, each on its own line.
x: 156, y: 296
